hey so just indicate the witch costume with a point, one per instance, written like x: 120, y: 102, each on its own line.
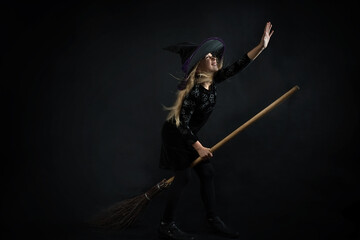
x: 177, y: 152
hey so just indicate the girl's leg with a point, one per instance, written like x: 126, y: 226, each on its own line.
x: 205, y: 171
x: 177, y: 187
x: 167, y: 229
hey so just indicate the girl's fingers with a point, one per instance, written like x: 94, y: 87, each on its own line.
x: 271, y: 33
x: 268, y: 29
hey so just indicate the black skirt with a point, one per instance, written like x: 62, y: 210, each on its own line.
x: 176, y: 153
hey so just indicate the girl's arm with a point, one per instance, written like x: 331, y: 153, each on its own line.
x: 243, y: 62
x: 253, y: 53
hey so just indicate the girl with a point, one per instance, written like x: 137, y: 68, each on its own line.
x: 203, y: 68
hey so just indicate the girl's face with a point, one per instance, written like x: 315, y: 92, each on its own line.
x: 208, y: 64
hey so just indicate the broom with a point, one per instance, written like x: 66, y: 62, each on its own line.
x: 123, y: 214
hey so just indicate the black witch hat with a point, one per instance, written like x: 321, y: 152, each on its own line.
x: 191, y: 54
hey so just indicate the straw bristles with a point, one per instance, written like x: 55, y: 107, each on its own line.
x: 123, y: 214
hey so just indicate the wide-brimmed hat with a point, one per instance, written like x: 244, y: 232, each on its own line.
x: 191, y: 53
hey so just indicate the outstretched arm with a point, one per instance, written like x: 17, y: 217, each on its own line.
x: 241, y: 64
x: 253, y: 53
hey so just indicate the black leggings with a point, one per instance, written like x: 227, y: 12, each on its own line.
x: 205, y: 171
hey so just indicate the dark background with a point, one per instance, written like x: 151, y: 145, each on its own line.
x: 83, y: 84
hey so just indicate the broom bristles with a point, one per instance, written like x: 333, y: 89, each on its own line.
x: 123, y: 214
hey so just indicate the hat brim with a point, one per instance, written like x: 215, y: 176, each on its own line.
x: 212, y: 45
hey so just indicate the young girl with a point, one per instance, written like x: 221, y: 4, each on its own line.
x: 196, y: 98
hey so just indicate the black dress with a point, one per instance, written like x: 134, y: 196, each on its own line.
x: 176, y: 150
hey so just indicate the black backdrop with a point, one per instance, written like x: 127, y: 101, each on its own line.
x: 83, y: 84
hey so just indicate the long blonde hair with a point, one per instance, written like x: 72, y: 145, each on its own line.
x: 194, y: 77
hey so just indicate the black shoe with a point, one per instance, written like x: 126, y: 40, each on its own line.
x: 219, y: 227
x: 170, y: 231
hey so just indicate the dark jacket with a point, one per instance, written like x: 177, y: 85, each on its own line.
x: 176, y: 149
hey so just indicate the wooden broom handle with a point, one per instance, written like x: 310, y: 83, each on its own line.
x: 245, y: 125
